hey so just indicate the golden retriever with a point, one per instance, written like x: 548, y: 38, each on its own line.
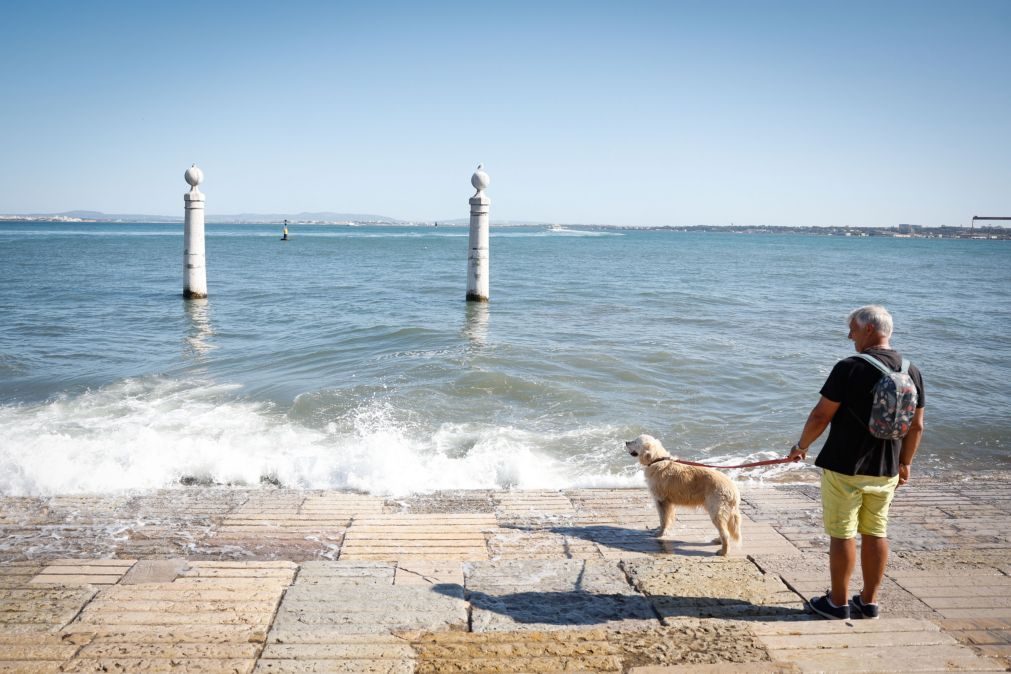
x: 675, y: 484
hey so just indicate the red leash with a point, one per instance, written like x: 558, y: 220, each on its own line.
x: 768, y: 462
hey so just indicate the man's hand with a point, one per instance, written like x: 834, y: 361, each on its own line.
x: 797, y: 454
x: 903, y: 473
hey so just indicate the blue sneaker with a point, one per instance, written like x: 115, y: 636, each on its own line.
x: 862, y: 610
x: 824, y: 607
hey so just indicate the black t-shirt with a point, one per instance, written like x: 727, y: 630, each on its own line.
x: 850, y: 448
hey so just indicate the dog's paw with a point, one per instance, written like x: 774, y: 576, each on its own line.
x: 664, y: 534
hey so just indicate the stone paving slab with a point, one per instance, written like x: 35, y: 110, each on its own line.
x: 472, y: 501
x: 428, y: 573
x: 808, y: 577
x: 173, y: 664
x: 179, y: 626
x: 628, y: 503
x: 18, y: 574
x: 596, y: 539
x: 38, y: 667
x: 533, y: 610
x: 721, y: 668
x: 971, y: 593
x: 66, y: 572
x: 330, y: 598
x: 31, y: 617
x: 544, y: 595
x: 900, y: 645
x: 419, y: 536
x: 540, y: 504
x: 138, y: 634
x: 600, y: 650
x: 295, y: 525
x: 42, y: 607
x: 154, y: 571
x: 534, y: 543
x: 553, y: 576
x: 732, y: 588
x: 347, y: 572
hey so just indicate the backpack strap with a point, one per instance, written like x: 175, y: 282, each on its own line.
x: 881, y: 366
x: 905, y: 366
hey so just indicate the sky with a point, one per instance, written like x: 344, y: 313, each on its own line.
x: 622, y: 113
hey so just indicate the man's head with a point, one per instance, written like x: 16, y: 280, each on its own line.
x: 870, y: 326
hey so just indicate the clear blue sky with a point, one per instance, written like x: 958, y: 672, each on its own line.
x: 626, y: 113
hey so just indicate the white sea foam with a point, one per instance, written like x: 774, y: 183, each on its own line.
x: 153, y: 432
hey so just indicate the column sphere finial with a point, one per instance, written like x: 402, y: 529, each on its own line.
x: 194, y: 176
x: 480, y: 179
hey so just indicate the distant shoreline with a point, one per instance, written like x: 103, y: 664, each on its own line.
x: 899, y: 231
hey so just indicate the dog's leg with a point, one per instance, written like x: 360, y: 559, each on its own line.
x: 721, y: 526
x: 667, y: 516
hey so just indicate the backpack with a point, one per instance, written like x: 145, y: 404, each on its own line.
x: 893, y: 401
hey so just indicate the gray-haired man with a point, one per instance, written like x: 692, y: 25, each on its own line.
x: 859, y: 470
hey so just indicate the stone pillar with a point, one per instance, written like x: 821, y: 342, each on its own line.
x: 477, y: 258
x: 194, y: 262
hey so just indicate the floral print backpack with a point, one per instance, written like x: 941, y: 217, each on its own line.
x: 894, y: 401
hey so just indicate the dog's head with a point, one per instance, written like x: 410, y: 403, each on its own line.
x: 647, y: 448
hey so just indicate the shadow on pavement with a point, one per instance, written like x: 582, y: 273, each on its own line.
x: 580, y: 608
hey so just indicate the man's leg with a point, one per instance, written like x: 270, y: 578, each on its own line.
x: 873, y: 559
x: 873, y: 530
x: 842, y: 558
x: 840, y: 505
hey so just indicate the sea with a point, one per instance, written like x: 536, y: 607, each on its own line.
x: 348, y: 358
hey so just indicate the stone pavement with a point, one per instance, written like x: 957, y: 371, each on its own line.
x: 206, y: 579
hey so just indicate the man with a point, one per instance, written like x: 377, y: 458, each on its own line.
x: 859, y: 471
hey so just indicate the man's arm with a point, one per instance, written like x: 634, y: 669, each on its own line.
x: 910, y: 444
x: 817, y: 422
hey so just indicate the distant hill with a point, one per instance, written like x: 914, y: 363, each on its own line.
x: 323, y: 217
x: 499, y: 223
x: 250, y: 218
x: 320, y: 217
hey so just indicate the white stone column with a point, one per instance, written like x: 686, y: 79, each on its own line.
x: 194, y: 262
x: 477, y: 258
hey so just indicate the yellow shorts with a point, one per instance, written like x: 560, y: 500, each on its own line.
x: 856, y: 503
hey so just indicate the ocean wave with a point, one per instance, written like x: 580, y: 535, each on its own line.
x: 156, y: 432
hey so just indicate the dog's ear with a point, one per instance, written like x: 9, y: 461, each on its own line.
x: 646, y: 454
x: 655, y: 446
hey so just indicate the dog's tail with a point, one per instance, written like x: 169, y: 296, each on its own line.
x: 734, y: 525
